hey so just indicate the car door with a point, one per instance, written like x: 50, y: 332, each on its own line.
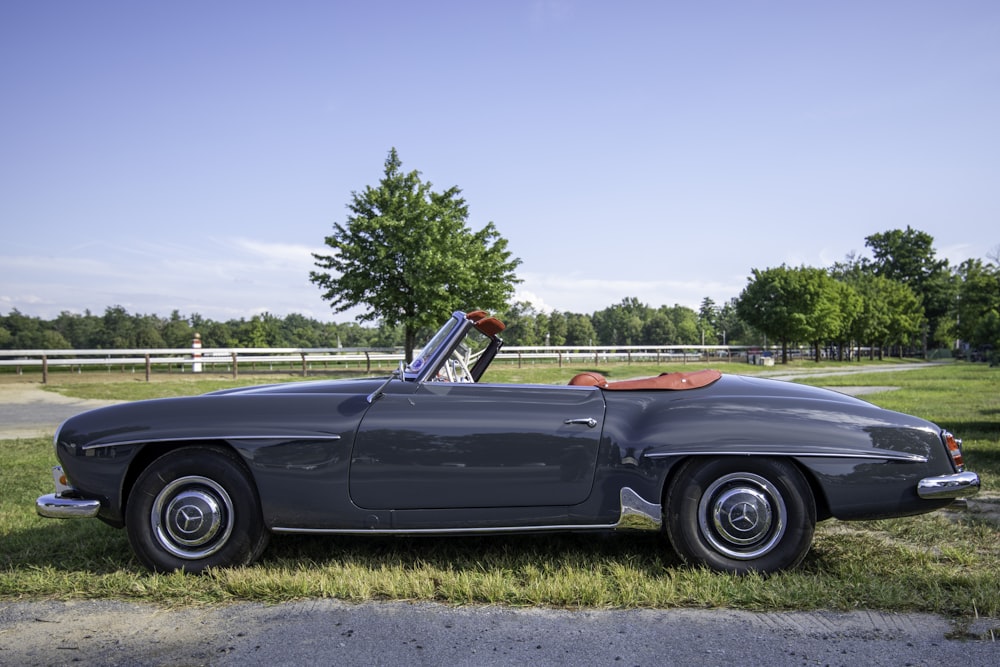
x: 456, y: 445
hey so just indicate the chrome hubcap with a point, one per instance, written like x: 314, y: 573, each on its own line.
x: 192, y: 517
x: 742, y: 515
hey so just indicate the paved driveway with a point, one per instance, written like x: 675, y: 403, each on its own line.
x: 28, y: 411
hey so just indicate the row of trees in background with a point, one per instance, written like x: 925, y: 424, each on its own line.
x: 118, y: 329
x: 629, y: 322
x: 903, y: 298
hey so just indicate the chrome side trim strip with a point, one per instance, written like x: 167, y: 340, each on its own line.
x: 55, y: 506
x: 145, y: 441
x: 959, y: 485
x: 497, y: 530
x: 635, y: 514
x: 892, y: 456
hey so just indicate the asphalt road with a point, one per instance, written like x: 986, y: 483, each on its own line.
x: 393, y: 633
x: 327, y: 632
x: 28, y: 411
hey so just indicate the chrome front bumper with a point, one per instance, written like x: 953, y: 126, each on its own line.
x: 57, y: 506
x: 959, y: 485
x: 62, y: 504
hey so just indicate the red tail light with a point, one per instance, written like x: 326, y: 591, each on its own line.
x: 954, y: 446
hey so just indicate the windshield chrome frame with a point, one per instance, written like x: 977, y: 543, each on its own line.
x: 434, y: 359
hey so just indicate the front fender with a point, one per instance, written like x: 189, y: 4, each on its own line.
x: 102, y: 450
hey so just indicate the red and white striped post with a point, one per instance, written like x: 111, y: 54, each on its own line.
x: 196, y: 345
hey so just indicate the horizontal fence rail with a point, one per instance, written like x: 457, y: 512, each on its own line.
x: 306, y: 360
x: 198, y: 360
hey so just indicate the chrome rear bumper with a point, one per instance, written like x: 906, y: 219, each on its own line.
x: 959, y: 485
x: 57, y: 506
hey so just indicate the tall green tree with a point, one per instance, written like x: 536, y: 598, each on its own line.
x: 767, y: 304
x: 793, y: 304
x: 888, y: 312
x: 821, y: 300
x: 118, y: 329
x: 407, y: 255
x: 685, y: 322
x: 659, y: 329
x: 622, y: 323
x: 908, y: 256
x: 707, y: 320
x: 580, y: 330
x: 732, y: 329
x: 979, y: 304
x: 521, y: 319
x: 557, y: 328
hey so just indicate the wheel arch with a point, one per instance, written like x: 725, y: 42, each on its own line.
x: 150, y: 452
x: 819, y: 495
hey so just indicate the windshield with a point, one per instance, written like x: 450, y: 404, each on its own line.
x: 426, y: 353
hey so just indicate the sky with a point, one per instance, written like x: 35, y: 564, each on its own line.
x: 192, y: 155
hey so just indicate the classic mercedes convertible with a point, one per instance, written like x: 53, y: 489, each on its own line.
x: 735, y: 470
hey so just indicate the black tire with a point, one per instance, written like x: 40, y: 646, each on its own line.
x: 195, y: 508
x: 740, y: 514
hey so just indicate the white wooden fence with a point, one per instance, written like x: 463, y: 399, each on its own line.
x: 318, y: 360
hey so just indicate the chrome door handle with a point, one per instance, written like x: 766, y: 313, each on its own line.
x: 589, y: 421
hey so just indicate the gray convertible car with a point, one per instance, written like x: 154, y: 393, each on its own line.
x: 735, y: 470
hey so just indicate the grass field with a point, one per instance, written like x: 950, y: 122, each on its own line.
x: 945, y: 562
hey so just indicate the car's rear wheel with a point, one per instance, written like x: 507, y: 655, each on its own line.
x: 195, y: 508
x: 741, y: 514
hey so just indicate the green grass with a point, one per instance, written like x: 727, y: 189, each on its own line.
x: 945, y: 562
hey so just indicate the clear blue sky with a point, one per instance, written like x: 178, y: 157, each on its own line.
x: 191, y: 155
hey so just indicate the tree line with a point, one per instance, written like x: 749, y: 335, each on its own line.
x: 627, y: 323
x: 903, y: 300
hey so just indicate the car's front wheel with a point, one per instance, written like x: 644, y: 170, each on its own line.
x: 195, y: 508
x: 740, y: 514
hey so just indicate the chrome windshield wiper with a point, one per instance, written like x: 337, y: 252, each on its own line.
x: 378, y: 393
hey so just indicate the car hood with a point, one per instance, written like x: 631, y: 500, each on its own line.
x: 292, y: 410
x: 364, y: 385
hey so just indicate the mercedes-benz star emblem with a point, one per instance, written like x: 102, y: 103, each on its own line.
x: 743, y: 516
x: 189, y: 519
